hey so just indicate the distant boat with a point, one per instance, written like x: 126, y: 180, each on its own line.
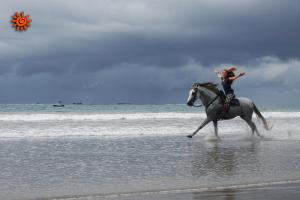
x: 60, y: 104
x: 77, y: 103
x: 124, y: 103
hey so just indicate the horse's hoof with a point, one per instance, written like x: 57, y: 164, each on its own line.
x: 189, y: 136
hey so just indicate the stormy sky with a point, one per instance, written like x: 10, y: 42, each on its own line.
x: 142, y: 51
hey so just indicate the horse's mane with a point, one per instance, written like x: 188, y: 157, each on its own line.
x: 208, y: 85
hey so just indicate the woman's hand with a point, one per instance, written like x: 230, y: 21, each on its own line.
x: 236, y: 77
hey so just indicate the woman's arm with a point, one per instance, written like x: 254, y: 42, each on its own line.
x: 236, y: 77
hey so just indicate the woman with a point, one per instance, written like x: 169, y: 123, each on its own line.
x: 227, y: 77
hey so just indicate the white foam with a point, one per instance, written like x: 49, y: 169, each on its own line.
x: 281, y: 114
x: 96, y: 117
x: 19, y: 125
x: 118, y: 116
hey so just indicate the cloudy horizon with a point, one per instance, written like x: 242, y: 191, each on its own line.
x: 144, y: 52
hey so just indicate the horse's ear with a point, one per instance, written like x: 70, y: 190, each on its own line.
x: 195, y: 85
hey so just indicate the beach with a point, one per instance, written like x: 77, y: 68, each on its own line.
x: 276, y: 191
x: 144, y: 153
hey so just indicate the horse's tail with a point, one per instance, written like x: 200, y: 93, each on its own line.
x: 257, y: 112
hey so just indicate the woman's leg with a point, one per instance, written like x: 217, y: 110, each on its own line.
x: 228, y: 99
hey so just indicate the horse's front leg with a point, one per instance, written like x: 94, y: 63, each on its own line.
x: 206, y: 121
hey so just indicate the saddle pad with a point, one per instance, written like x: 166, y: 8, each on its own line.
x: 234, y: 102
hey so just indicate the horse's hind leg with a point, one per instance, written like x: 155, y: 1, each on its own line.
x: 252, y: 126
x: 216, y: 128
x: 249, y: 122
x: 255, y: 129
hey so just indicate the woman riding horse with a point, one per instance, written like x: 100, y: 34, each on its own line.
x: 227, y: 77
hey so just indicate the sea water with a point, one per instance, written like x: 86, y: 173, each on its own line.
x: 89, y: 151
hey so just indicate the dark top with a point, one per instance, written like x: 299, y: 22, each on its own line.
x: 226, y: 83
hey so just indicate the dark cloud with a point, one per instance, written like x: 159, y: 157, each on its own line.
x: 148, y: 51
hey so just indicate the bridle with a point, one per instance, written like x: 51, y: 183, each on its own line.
x: 194, y: 99
x: 197, y: 106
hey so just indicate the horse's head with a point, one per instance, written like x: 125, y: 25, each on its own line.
x: 204, y: 91
x: 193, y: 95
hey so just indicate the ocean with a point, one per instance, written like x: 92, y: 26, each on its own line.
x: 112, y: 151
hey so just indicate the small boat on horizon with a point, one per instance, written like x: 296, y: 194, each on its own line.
x: 77, y: 103
x: 60, y: 104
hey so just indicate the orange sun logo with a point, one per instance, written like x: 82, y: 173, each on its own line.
x: 20, y: 21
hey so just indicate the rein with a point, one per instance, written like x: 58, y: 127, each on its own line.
x: 208, y: 103
x: 212, y: 101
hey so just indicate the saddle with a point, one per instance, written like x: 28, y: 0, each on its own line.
x: 233, y: 102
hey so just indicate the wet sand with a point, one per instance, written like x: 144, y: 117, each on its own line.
x: 166, y: 167
x: 268, y: 191
x: 289, y: 191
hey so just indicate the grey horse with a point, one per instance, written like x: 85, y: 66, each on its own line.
x: 209, y: 94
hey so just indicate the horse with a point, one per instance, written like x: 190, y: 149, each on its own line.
x: 211, y: 99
